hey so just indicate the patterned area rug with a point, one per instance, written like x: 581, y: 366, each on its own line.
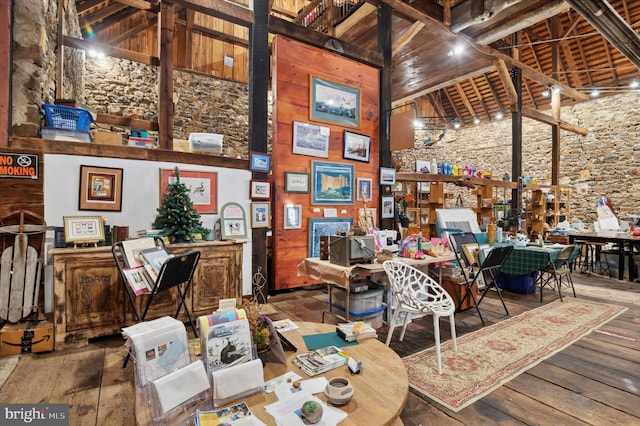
x: 607, y: 293
x: 492, y: 356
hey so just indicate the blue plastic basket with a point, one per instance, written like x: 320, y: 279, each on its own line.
x: 64, y: 117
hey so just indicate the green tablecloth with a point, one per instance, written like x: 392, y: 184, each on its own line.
x: 531, y: 259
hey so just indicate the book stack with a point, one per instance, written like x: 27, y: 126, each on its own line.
x: 355, y: 330
x: 321, y: 360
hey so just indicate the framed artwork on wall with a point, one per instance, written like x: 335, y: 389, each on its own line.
x: 364, y: 189
x: 260, y: 189
x: 387, y: 207
x: 310, y: 139
x: 260, y: 162
x: 83, y: 229
x: 296, y: 182
x: 356, y: 146
x: 234, y: 223
x: 100, y: 189
x: 332, y: 183
x: 387, y: 176
x: 325, y: 226
x: 260, y: 214
x: 334, y: 103
x: 292, y: 216
x: 203, y: 188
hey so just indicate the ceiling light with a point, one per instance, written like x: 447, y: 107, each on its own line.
x: 476, y: 120
x: 634, y: 84
x: 595, y: 92
x: 546, y: 92
x: 93, y: 53
x: 499, y: 115
x: 417, y: 124
x: 458, y: 49
x: 456, y: 125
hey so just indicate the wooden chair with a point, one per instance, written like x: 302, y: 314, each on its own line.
x: 553, y: 274
x: 416, y: 293
x: 486, y: 270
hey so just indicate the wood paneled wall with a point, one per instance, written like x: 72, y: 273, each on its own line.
x: 293, y: 64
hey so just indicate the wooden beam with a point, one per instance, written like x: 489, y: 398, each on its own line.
x: 437, y: 87
x: 82, y: 7
x: 406, y: 37
x: 165, y: 75
x: 5, y: 71
x: 101, y: 14
x: 470, y: 12
x: 487, y: 51
x: 465, y: 100
x: 315, y: 38
x: 355, y: 18
x: 116, y: 52
x: 545, y: 12
x: 505, y: 78
x: 224, y: 10
x: 138, y: 4
x: 547, y: 119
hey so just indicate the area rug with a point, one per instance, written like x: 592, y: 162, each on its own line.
x: 607, y: 294
x: 493, y: 355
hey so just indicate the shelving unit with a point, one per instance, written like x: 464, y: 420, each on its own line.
x: 545, y: 202
x: 436, y: 198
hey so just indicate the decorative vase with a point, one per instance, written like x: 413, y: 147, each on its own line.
x: 210, y: 236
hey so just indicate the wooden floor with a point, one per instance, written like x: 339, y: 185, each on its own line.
x: 595, y: 381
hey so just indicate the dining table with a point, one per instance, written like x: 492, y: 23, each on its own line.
x: 520, y: 271
x: 627, y: 245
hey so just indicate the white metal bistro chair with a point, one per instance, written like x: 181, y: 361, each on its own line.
x: 416, y: 292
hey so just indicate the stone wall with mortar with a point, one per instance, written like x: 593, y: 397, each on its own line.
x: 34, y: 63
x: 606, y: 162
x: 202, y: 104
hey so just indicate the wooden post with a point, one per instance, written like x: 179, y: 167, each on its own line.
x: 5, y: 73
x: 165, y: 75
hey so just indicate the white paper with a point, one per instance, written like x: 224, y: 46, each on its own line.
x: 181, y: 385
x: 330, y: 212
x: 237, y: 380
x: 286, y: 379
x: 287, y: 412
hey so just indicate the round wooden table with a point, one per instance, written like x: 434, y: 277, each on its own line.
x: 381, y: 389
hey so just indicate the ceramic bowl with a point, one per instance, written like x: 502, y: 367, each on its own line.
x: 339, y: 391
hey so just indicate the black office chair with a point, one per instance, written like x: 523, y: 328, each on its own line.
x: 487, y: 268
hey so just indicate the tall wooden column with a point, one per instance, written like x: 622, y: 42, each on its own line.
x: 516, y: 142
x: 258, y: 111
x: 165, y: 75
x: 5, y: 73
x: 384, y: 128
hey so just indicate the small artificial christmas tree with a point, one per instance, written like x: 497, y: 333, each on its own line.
x: 177, y: 217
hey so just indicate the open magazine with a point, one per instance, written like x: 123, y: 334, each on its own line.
x: 225, y: 339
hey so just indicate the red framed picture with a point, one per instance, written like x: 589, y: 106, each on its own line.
x: 203, y: 188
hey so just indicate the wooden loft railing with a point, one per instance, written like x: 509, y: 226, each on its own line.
x: 324, y: 15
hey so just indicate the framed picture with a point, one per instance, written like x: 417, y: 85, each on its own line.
x: 260, y: 162
x: 310, y: 139
x: 356, y: 146
x: 332, y: 183
x: 364, y: 189
x: 334, y: 103
x: 260, y: 215
x: 292, y: 216
x: 325, y: 226
x: 202, y: 186
x: 260, y: 189
x: 296, y: 182
x: 100, y: 189
x: 414, y: 216
x: 233, y: 221
x: 388, y: 207
x: 387, y: 176
x: 83, y: 229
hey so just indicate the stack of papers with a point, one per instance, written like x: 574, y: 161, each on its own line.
x: 355, y: 330
x: 225, y: 339
x: 321, y: 360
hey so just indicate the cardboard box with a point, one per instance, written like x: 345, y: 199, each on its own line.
x: 182, y: 145
x: 106, y: 138
x: 141, y: 142
x: 26, y: 337
x: 458, y: 292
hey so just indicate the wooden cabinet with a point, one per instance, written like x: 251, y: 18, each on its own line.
x: 90, y: 299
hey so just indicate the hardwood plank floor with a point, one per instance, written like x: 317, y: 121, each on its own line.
x: 595, y: 381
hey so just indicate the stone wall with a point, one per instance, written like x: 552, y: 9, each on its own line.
x: 202, y: 103
x: 34, y: 63
x: 605, y: 162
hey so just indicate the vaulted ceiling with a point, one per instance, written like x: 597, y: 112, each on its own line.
x: 450, y: 58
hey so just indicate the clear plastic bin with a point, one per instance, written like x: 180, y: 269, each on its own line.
x: 364, y: 301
